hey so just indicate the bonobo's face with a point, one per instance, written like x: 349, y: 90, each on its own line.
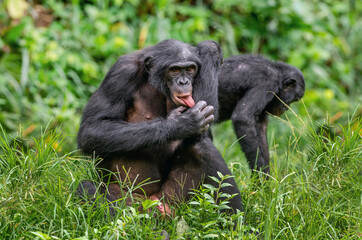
x: 292, y: 90
x: 288, y: 94
x: 179, y: 78
x: 172, y: 67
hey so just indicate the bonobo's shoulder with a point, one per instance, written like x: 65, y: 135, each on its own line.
x: 209, y: 45
x: 131, y: 58
x: 210, y: 52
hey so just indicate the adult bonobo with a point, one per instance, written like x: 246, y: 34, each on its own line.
x: 251, y: 86
x: 144, y: 123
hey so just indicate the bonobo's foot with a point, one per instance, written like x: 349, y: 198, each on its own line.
x: 164, y: 208
x: 88, y: 191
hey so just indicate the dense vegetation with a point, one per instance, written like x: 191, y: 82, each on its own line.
x: 54, y: 54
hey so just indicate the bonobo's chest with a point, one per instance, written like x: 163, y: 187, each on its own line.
x: 150, y: 163
x: 147, y: 104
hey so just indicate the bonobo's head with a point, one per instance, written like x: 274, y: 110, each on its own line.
x: 172, y: 67
x: 292, y: 88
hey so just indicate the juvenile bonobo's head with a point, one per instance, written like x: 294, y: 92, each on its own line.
x: 173, y: 66
x: 292, y: 88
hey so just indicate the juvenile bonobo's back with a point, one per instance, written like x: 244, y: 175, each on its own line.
x: 251, y: 86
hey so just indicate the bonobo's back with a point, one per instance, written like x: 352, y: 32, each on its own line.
x: 236, y: 76
x: 241, y: 73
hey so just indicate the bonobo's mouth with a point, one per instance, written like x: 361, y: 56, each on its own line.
x: 279, y: 110
x: 184, y: 99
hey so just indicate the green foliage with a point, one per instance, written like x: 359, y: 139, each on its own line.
x: 54, y: 54
x: 206, y: 213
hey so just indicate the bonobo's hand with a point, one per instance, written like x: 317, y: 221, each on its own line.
x: 192, y: 121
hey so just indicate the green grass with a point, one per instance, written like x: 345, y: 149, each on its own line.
x: 314, y: 191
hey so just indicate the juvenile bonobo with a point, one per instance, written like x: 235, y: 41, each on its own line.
x: 144, y: 123
x: 248, y: 86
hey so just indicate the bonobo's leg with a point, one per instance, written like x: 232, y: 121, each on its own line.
x: 213, y: 163
x: 193, y: 163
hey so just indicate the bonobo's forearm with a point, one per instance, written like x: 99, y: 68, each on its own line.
x: 105, y: 136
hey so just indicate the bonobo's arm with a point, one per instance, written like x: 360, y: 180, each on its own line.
x: 250, y: 124
x: 205, y: 87
x: 103, y: 129
x: 262, y: 128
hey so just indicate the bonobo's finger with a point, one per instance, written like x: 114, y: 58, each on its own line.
x: 200, y: 105
x: 180, y: 109
x: 207, y: 111
x: 208, y: 120
x: 177, y: 111
x: 204, y: 129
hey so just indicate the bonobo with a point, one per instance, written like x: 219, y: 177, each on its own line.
x: 148, y: 119
x: 251, y: 86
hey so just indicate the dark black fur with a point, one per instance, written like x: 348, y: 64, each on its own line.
x: 247, y: 88
x: 172, y: 146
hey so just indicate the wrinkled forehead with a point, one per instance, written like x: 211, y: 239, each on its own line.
x: 184, y: 52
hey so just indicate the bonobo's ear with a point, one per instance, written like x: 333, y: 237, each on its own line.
x: 288, y: 83
x: 148, y: 63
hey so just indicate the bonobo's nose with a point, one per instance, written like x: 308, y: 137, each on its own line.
x: 183, y: 81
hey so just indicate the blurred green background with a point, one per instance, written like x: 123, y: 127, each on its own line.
x: 54, y: 54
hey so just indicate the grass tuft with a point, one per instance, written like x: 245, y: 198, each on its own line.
x: 313, y: 192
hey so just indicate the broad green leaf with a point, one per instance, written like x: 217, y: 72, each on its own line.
x: 16, y: 8
x: 182, y: 227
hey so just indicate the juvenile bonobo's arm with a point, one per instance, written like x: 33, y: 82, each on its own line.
x: 262, y: 128
x: 250, y: 124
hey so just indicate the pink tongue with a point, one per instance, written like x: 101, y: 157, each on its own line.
x: 188, y: 100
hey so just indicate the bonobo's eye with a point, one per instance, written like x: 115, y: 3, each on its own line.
x: 174, y: 70
x: 190, y: 70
